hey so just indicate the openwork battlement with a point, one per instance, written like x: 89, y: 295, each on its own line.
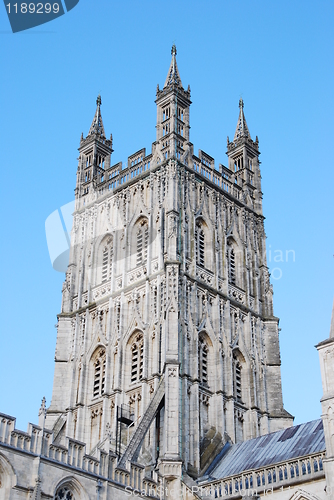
x: 40, y: 442
x: 112, y: 177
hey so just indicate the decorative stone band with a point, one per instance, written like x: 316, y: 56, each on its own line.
x: 101, y: 291
x: 137, y: 274
x: 236, y: 294
x: 205, y: 275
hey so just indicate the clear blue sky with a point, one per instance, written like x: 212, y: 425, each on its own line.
x: 277, y: 55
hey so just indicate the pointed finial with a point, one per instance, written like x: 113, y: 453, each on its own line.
x: 98, y: 100
x: 241, y: 103
x: 43, y: 407
x: 331, y: 333
x: 173, y: 51
x: 81, y: 138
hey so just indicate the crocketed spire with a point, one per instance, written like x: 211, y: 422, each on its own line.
x: 173, y: 76
x: 242, y: 129
x: 97, y: 123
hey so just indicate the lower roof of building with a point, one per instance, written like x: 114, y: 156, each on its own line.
x: 293, y: 442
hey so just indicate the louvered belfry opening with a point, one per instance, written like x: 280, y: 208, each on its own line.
x: 106, y: 264
x: 99, y: 374
x: 142, y: 242
x: 237, y: 383
x: 230, y: 254
x: 137, y: 359
x: 202, y: 361
x: 107, y: 258
x: 200, y: 244
x: 232, y: 266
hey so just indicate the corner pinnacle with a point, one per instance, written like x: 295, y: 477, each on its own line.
x: 331, y: 333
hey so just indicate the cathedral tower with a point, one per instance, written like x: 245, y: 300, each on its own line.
x: 167, y: 345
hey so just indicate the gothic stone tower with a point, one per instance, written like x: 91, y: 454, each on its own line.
x: 167, y: 331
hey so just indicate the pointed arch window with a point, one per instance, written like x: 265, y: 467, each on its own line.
x: 64, y: 493
x: 237, y: 382
x: 137, y: 359
x: 203, y: 352
x: 155, y: 300
x: 107, y: 258
x: 118, y: 315
x: 99, y: 374
x: 142, y: 242
x: 186, y: 236
x: 200, y: 244
x: 231, y: 264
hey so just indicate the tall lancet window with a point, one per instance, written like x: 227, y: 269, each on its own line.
x: 142, y: 242
x: 186, y: 237
x: 99, y: 373
x: 107, y: 256
x: 237, y: 387
x: 231, y: 264
x: 137, y: 359
x: 203, y: 352
x: 200, y: 244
